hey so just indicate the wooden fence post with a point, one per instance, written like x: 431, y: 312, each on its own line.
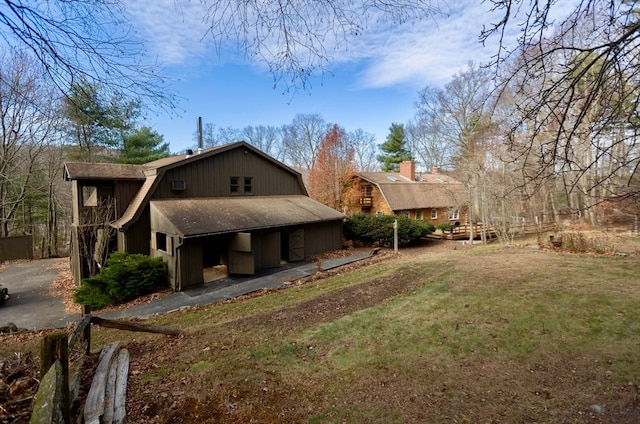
x: 55, y: 347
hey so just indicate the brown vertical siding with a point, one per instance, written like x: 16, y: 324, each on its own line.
x: 211, y: 177
x: 190, y: 264
x: 124, y: 193
x: 138, y: 235
x: 322, y: 237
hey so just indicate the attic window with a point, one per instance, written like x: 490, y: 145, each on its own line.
x: 235, y: 184
x: 178, y: 185
x: 247, y: 184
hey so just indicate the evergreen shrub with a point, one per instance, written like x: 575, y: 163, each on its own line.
x: 374, y: 230
x: 124, y: 277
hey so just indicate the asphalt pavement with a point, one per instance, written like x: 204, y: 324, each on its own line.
x: 33, y: 305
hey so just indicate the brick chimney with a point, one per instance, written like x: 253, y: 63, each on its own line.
x: 408, y: 169
x: 435, y: 170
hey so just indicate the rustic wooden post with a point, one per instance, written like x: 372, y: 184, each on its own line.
x: 55, y: 347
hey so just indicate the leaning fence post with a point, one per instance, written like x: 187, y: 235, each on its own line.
x: 55, y: 347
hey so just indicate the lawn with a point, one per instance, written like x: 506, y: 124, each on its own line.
x: 484, y: 334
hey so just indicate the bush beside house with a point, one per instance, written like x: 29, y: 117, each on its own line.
x: 124, y: 278
x: 373, y: 230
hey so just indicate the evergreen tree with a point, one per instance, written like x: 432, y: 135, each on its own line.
x: 95, y: 124
x: 394, y: 149
x: 142, y: 146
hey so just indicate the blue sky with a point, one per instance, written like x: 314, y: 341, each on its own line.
x: 372, y: 84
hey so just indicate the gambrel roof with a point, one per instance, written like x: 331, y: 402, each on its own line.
x: 425, y: 192
x: 151, y: 174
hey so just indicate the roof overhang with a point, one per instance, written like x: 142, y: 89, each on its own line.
x: 222, y: 215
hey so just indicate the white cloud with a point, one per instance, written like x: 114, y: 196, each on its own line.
x: 430, y: 51
x: 173, y: 30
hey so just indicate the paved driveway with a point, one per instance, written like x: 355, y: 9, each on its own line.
x: 31, y: 306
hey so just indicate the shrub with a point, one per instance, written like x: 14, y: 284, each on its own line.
x: 446, y: 226
x: 124, y: 277
x: 378, y: 230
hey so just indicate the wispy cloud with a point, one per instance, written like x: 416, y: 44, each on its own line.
x: 173, y: 30
x: 430, y: 51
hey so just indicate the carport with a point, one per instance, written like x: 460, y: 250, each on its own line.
x: 245, y: 234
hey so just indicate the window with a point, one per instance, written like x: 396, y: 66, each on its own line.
x: 406, y: 214
x: 89, y: 196
x: 235, y: 184
x: 454, y: 214
x: 178, y: 185
x: 379, y: 213
x: 247, y: 184
x: 161, y: 241
x: 365, y: 190
x: 434, y: 213
x: 419, y: 215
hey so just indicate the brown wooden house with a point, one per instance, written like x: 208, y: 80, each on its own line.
x: 434, y: 197
x: 230, y: 205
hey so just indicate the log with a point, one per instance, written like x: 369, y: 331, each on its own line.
x: 109, y: 393
x: 95, y: 404
x: 132, y: 326
x: 120, y: 410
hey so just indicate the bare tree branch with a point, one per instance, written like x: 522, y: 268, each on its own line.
x: 84, y: 40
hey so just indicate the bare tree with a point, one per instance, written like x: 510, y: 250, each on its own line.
x: 264, y: 137
x: 83, y: 40
x: 364, y: 150
x: 27, y: 125
x: 296, y: 38
x: 582, y: 120
x: 458, y: 120
x: 213, y: 135
x: 302, y: 138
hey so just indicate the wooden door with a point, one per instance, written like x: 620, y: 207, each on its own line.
x: 296, y: 245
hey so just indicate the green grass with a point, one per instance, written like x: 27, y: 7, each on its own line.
x: 483, y: 335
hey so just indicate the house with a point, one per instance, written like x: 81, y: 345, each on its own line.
x: 230, y: 205
x: 434, y: 197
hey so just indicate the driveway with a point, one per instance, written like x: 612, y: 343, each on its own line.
x: 31, y: 305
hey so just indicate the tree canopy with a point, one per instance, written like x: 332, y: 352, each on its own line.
x: 575, y: 82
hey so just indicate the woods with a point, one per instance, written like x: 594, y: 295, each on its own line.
x: 548, y: 132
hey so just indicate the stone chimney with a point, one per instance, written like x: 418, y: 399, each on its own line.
x: 408, y: 169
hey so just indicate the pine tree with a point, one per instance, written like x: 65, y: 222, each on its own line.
x: 142, y: 146
x: 394, y: 149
